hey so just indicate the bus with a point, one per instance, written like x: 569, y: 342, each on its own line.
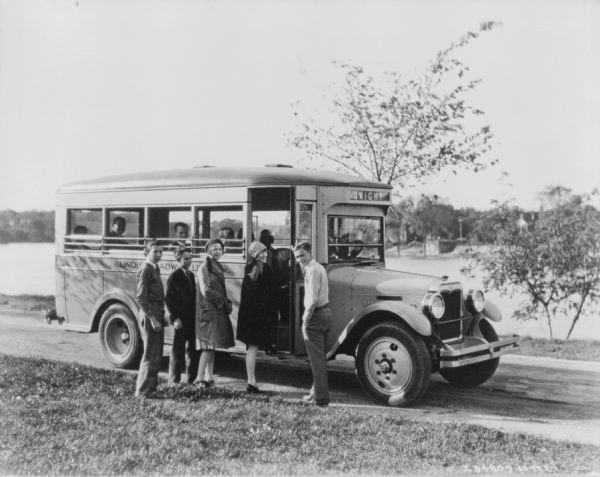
x: 400, y: 327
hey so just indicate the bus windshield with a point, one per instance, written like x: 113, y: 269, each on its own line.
x: 355, y: 238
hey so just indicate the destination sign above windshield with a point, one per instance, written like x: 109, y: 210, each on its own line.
x: 373, y: 195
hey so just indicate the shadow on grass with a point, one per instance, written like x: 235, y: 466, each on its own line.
x: 516, y: 392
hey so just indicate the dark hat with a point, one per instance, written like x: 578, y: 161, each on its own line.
x: 266, y: 238
x: 180, y: 250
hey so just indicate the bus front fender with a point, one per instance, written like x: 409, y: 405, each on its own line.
x: 112, y: 296
x: 409, y: 315
x: 491, y: 311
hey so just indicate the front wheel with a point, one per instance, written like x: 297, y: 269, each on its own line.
x: 393, y: 364
x: 478, y: 373
x: 120, y: 337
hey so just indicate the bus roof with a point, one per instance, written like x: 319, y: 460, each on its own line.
x: 219, y: 177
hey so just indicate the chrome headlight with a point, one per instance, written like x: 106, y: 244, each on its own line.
x: 433, y: 305
x: 475, y: 301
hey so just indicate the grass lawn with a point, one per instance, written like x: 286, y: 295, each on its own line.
x: 586, y: 350
x: 71, y: 419
x: 27, y: 302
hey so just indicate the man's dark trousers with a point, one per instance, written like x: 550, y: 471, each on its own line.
x: 184, y: 340
x: 181, y: 302
x: 315, y: 338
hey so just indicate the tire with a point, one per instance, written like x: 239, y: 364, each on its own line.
x: 120, y: 337
x: 393, y: 364
x: 478, y: 373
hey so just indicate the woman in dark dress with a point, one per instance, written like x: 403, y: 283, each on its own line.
x: 253, y: 327
x: 213, y: 327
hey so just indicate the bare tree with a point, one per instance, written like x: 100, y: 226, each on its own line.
x: 391, y: 130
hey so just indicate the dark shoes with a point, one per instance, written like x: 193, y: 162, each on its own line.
x: 206, y: 384
x: 310, y: 399
x: 271, y: 349
x: 250, y: 388
x: 148, y: 395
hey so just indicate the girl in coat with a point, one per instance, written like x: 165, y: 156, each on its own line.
x: 253, y: 327
x: 213, y: 327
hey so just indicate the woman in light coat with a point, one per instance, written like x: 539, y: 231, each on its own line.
x: 213, y: 326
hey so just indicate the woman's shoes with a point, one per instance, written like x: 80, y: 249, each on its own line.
x: 310, y: 399
x: 207, y: 384
x: 250, y: 388
x: 271, y: 349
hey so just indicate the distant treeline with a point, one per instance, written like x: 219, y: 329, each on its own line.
x: 27, y: 226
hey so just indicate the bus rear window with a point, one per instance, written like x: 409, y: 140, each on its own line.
x: 84, y: 229
x: 85, y: 222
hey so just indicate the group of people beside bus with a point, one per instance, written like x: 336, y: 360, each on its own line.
x: 199, y: 310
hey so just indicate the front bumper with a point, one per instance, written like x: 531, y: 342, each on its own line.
x: 474, y: 350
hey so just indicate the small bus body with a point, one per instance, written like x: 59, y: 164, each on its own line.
x: 400, y: 327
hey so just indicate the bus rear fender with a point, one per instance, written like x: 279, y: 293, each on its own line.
x: 377, y: 313
x: 109, y: 298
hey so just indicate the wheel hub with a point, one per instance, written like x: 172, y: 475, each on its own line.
x: 117, y: 336
x: 385, y: 366
x: 388, y: 365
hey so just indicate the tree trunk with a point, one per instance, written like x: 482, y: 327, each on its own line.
x: 425, y: 246
x: 577, y: 315
x: 572, y: 326
x: 549, y: 324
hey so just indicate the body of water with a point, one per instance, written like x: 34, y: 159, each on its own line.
x: 28, y: 268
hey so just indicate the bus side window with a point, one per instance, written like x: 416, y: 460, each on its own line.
x: 170, y: 225
x: 221, y: 223
x: 125, y: 229
x: 84, y: 229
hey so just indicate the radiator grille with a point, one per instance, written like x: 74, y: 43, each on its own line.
x: 449, y: 326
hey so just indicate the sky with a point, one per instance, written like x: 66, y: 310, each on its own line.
x: 91, y: 88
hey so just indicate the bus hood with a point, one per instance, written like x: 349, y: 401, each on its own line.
x: 369, y: 280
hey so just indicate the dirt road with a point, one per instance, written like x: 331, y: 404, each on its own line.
x: 551, y: 398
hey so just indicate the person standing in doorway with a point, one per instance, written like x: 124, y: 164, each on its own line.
x: 181, y: 302
x: 270, y: 272
x: 316, y: 322
x: 151, y: 298
x: 253, y: 326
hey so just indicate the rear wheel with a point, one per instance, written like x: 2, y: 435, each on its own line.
x: 478, y: 373
x: 120, y: 337
x: 393, y: 364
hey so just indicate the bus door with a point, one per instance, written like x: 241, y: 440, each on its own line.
x: 305, y: 231
x: 271, y: 214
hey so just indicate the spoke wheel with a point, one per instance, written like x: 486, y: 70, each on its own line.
x: 392, y: 364
x: 120, y: 337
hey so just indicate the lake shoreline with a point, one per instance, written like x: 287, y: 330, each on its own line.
x: 30, y: 269
x: 27, y: 302
x: 574, y: 349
